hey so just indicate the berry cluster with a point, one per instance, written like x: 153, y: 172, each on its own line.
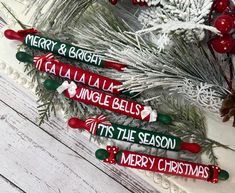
x: 135, y: 2
x: 224, y: 23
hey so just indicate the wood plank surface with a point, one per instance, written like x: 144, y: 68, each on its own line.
x: 38, y: 163
x: 23, y: 102
x: 7, y: 186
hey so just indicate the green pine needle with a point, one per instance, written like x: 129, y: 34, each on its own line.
x: 46, y: 108
x: 190, y: 125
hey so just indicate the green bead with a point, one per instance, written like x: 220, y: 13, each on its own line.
x: 24, y: 57
x: 101, y: 154
x: 165, y: 119
x: 223, y: 175
x: 51, y: 84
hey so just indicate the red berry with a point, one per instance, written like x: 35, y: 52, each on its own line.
x: 224, y: 23
x: 114, y: 2
x: 138, y: 2
x: 221, y: 5
x: 142, y: 3
x: 222, y: 44
x: 135, y: 2
x: 231, y: 12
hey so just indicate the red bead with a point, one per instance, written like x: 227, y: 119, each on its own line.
x: 224, y: 23
x: 223, y: 44
x: 114, y: 2
x: 221, y: 5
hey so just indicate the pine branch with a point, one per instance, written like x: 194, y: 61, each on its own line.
x: 190, y: 125
x: 185, y: 18
x: 169, y: 70
x: 56, y: 16
x: 46, y: 108
x: 208, y: 150
x: 17, y: 20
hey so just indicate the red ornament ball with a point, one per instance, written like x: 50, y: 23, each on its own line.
x: 221, y: 5
x: 224, y: 24
x: 223, y: 44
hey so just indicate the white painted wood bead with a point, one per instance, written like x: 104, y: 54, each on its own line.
x: 174, y: 189
x: 2, y: 65
x: 157, y: 178
x: 9, y: 70
x: 23, y: 81
x: 165, y: 183
x: 16, y: 75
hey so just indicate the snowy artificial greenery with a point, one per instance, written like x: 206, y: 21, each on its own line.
x: 164, y: 18
x: 203, y: 94
x: 152, y: 2
x: 57, y: 14
x: 185, y: 18
x: 188, y: 69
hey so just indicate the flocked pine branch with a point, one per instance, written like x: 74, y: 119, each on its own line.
x: 148, y: 69
x: 54, y: 15
x: 181, y: 17
x: 171, y: 69
x: 203, y: 94
x: 178, y: 10
x: 172, y: 27
x: 153, y: 2
x: 10, y: 11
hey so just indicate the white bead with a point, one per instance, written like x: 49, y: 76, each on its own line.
x: 16, y: 75
x: 110, y: 143
x: 157, y: 178
x: 9, y: 70
x: 165, y: 184
x: 2, y: 65
x: 23, y: 81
